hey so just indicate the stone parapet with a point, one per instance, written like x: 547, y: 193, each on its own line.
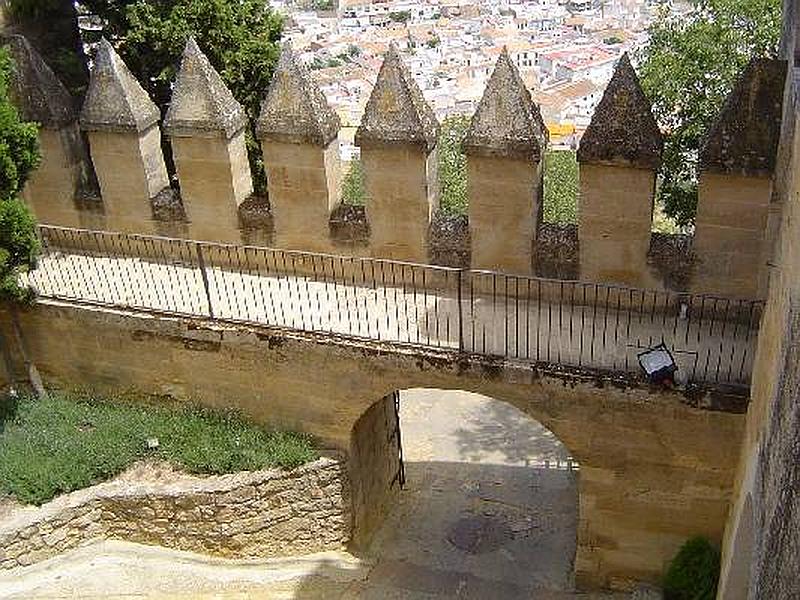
x: 505, y: 147
x: 735, y: 186
x: 206, y: 128
x: 299, y: 132
x: 64, y: 170
x: 125, y: 141
x: 619, y: 156
x: 397, y: 137
x: 257, y: 514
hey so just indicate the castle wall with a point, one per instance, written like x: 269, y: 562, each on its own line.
x: 656, y: 468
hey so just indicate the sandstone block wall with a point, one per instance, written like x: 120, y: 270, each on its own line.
x: 731, y: 235
x: 659, y: 465
x: 614, y: 221
x: 51, y: 190
x: 401, y: 184
x: 504, y: 212
x: 304, y: 188
x: 246, y: 515
x: 131, y: 171
x: 374, y: 465
x: 215, y: 179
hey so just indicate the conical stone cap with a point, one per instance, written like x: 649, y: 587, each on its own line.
x: 744, y: 138
x: 201, y: 103
x: 396, y: 111
x: 295, y: 109
x: 35, y: 89
x: 115, y: 101
x: 508, y: 123
x: 623, y: 131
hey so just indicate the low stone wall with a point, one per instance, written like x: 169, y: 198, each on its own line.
x: 245, y: 515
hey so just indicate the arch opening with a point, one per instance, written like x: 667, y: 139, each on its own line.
x: 490, y: 501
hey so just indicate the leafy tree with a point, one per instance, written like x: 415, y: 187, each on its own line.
x: 19, y: 155
x: 688, y: 67
x: 400, y: 16
x: 19, y: 244
x: 52, y: 27
x: 433, y: 42
x: 241, y: 39
x: 560, y: 203
x: 453, y: 196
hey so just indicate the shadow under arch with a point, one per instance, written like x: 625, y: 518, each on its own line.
x: 490, y: 503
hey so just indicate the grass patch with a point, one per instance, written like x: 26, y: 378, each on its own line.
x: 50, y: 447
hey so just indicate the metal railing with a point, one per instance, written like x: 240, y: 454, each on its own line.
x: 524, y: 318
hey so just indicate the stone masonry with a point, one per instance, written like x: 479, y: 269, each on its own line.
x: 256, y: 514
x: 760, y: 559
x: 619, y: 157
x: 374, y: 449
x: 125, y: 142
x: 299, y: 137
x: 206, y: 127
x: 736, y: 166
x: 64, y: 171
x: 298, y: 130
x: 656, y: 465
x: 505, y: 147
x: 397, y: 137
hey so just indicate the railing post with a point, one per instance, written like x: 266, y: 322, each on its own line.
x: 202, y: 266
x: 460, y: 313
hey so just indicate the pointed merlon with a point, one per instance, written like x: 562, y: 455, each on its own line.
x: 507, y: 123
x: 744, y: 139
x: 295, y: 109
x: 396, y: 111
x: 35, y: 89
x: 623, y: 131
x: 201, y: 103
x: 114, y: 100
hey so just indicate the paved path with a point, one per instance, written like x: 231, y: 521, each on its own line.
x: 481, y: 515
x: 489, y: 512
x: 524, y: 319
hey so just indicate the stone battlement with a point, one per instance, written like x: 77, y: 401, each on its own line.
x: 619, y: 159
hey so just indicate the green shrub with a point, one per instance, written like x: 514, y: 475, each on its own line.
x: 694, y: 572
x: 59, y: 444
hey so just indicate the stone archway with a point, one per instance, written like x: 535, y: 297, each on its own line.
x: 490, y: 504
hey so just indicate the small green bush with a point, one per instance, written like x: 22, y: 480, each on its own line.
x: 59, y: 444
x: 694, y: 572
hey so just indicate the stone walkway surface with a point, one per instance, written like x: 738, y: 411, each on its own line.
x: 489, y: 512
x: 527, y: 319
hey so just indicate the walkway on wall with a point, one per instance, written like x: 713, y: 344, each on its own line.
x: 522, y: 318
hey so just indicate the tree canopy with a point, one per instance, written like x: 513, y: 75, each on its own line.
x: 19, y: 155
x: 51, y: 26
x: 687, y: 69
